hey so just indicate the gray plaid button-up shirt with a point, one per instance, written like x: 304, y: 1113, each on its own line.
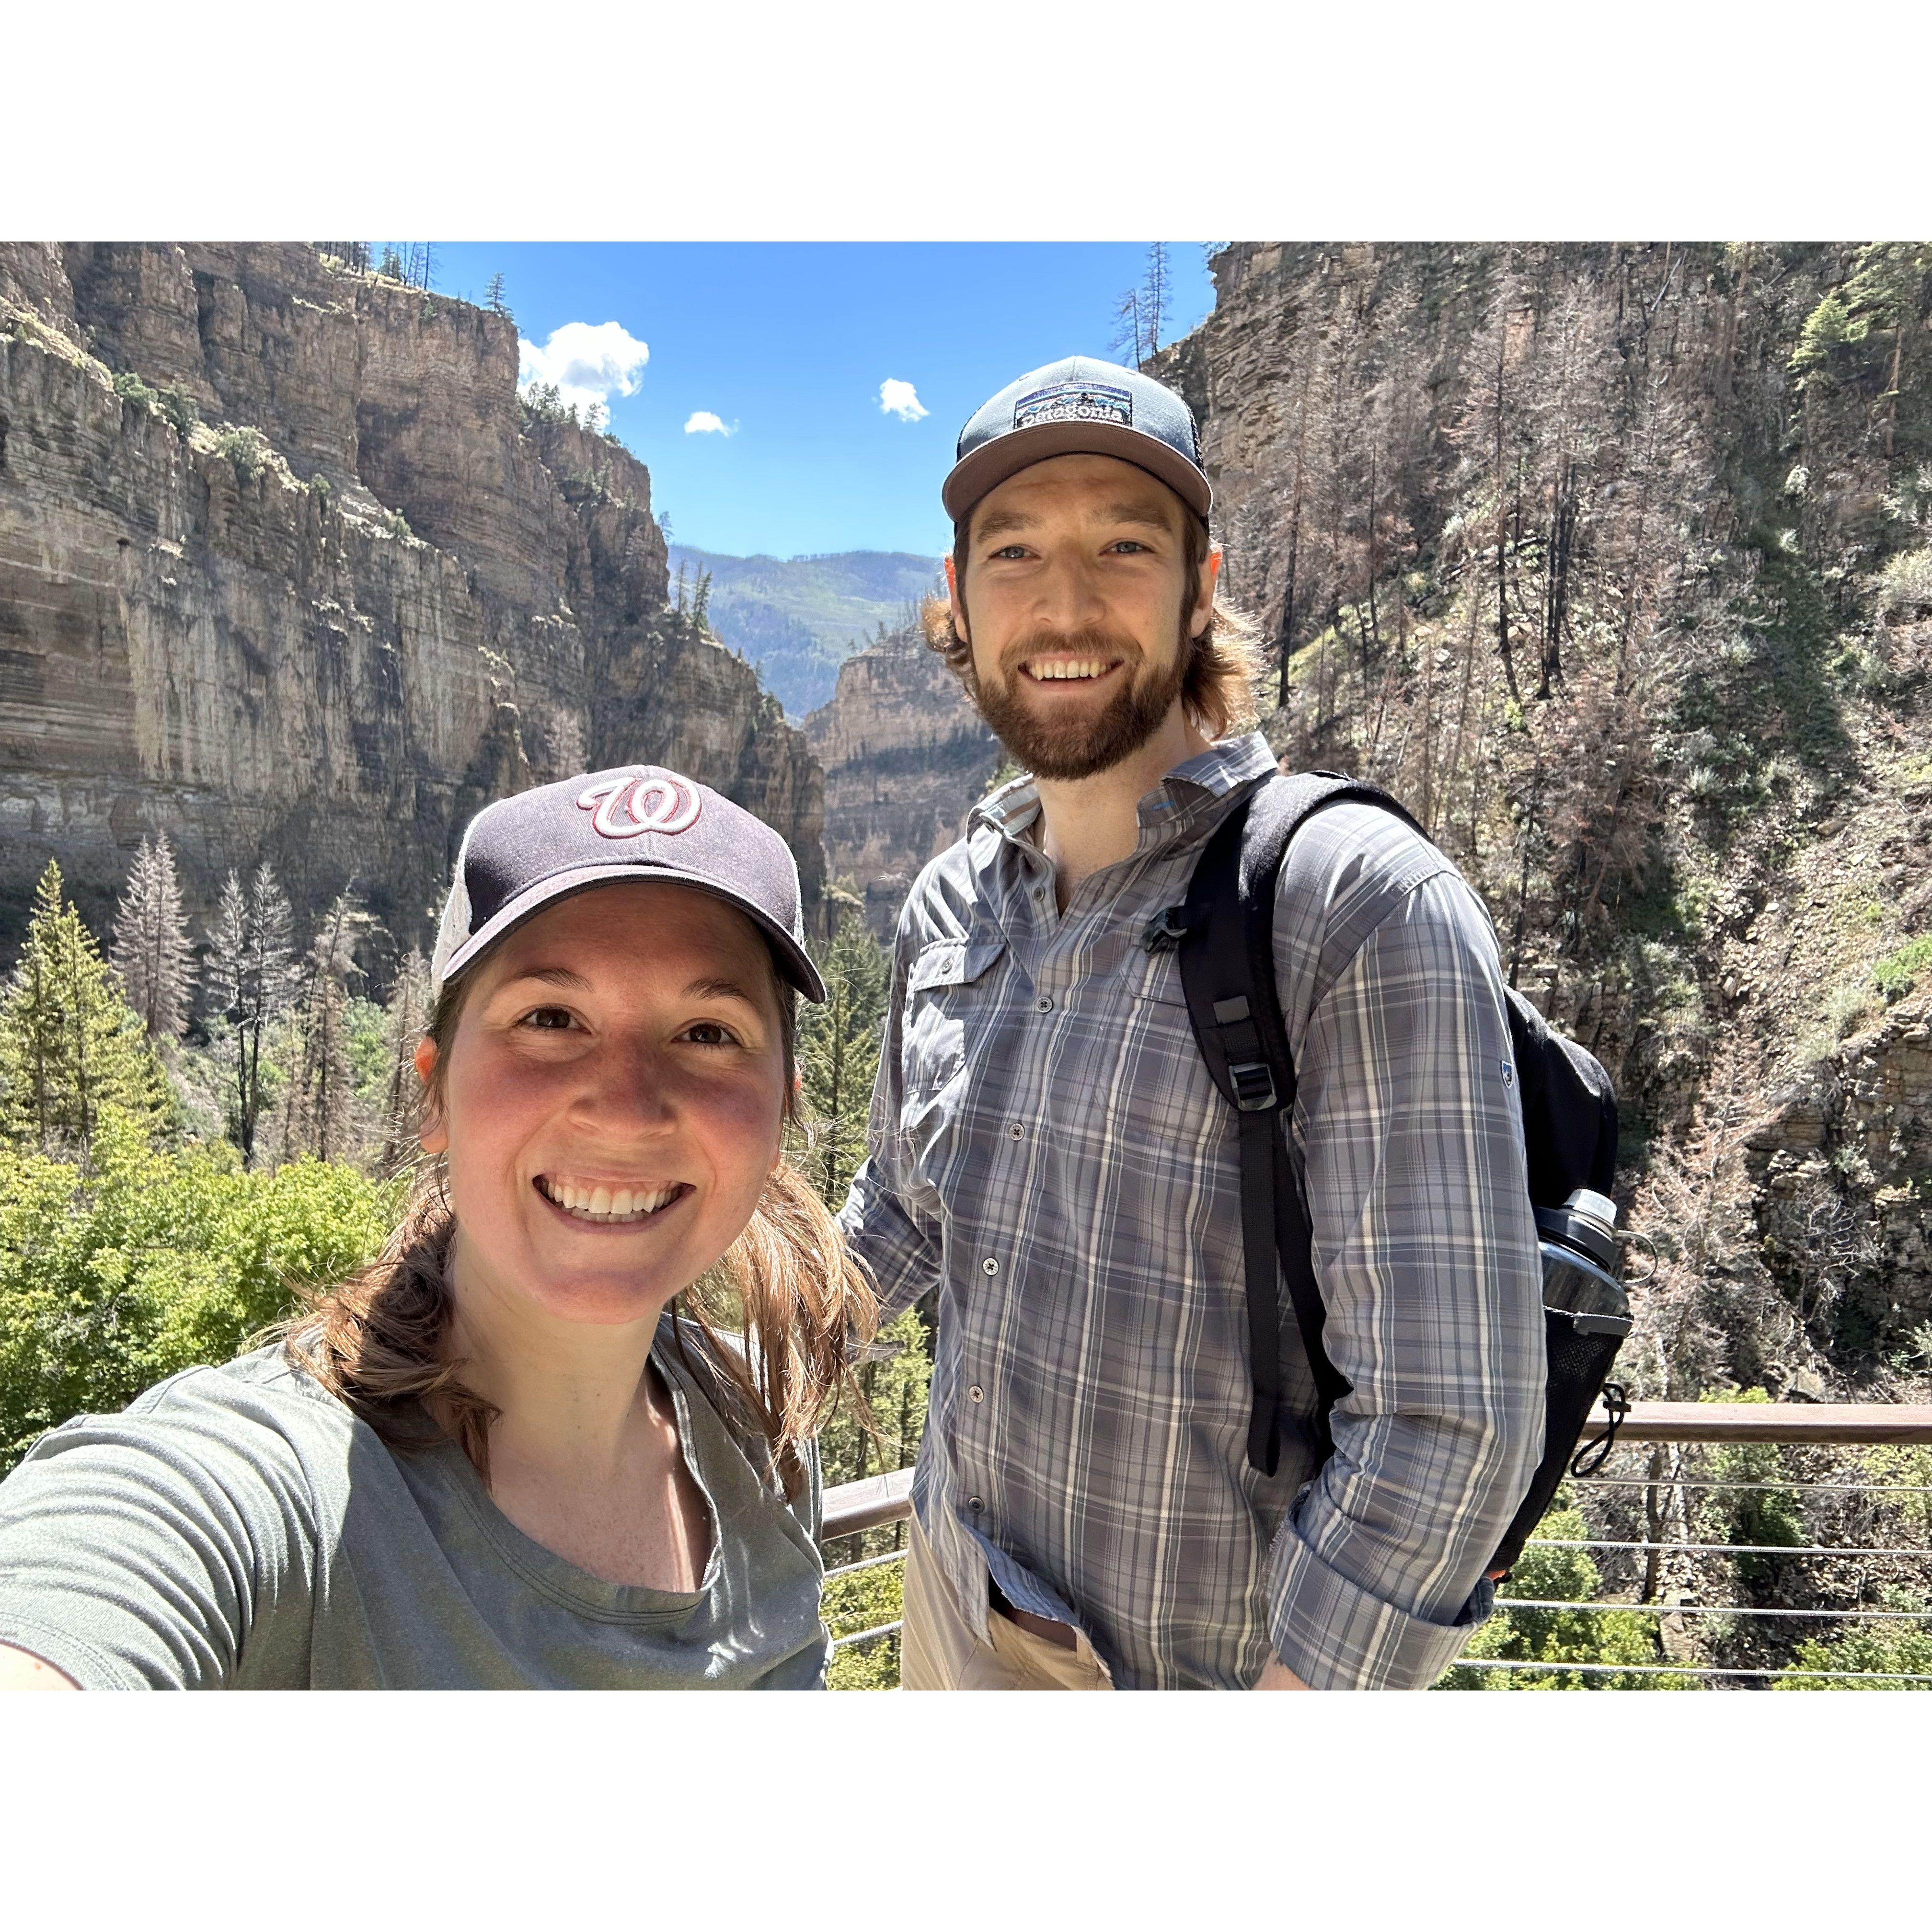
x: 1047, y: 1148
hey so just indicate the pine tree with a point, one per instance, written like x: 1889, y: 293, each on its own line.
x: 319, y: 1115
x: 150, y: 950
x: 251, y: 982
x: 492, y: 294
x: 407, y: 1020
x: 838, y: 1055
x: 69, y: 1043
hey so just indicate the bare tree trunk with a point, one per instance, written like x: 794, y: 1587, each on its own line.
x: 1502, y: 528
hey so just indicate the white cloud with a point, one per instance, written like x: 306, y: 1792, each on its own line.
x: 702, y: 422
x: 901, y: 400
x: 590, y: 362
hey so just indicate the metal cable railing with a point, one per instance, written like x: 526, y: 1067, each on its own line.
x: 1831, y: 1499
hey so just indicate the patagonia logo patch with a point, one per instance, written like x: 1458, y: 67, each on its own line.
x: 1074, y: 402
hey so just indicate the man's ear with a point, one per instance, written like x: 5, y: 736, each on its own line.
x: 1204, y: 602
x: 434, y: 1137
x: 954, y: 601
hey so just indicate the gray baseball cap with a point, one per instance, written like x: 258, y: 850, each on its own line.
x: 1081, y: 406
x: 637, y: 822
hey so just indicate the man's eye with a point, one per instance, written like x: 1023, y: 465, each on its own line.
x: 1129, y: 543
x: 710, y: 1032
x: 1011, y: 551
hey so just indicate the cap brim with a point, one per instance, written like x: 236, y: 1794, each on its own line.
x: 992, y: 462
x: 793, y: 959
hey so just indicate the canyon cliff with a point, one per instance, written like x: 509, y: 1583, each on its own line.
x: 1614, y: 562
x: 288, y: 572
x: 904, y: 756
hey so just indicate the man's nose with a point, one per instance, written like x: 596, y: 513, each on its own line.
x: 1070, y: 597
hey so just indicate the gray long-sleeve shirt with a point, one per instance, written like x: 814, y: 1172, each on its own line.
x: 1047, y: 1149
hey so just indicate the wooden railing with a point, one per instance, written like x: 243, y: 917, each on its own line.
x: 852, y: 1507
x: 1658, y: 1575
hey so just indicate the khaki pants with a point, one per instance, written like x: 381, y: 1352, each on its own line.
x: 938, y: 1650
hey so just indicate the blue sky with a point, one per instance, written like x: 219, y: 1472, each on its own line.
x: 787, y: 345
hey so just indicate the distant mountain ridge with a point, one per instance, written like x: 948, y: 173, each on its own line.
x: 798, y: 618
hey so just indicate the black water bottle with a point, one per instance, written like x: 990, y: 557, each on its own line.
x: 1585, y: 1317
x: 1578, y: 1241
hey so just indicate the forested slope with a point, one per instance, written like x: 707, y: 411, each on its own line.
x: 1615, y: 563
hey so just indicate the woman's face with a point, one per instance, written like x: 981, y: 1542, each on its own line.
x: 611, y: 1101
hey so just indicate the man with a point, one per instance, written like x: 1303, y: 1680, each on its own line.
x: 1048, y: 1151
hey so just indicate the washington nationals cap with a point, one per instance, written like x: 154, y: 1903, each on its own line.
x: 1084, y: 407
x: 638, y: 822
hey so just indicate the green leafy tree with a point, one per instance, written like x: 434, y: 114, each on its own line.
x: 69, y: 1045
x: 143, y: 1261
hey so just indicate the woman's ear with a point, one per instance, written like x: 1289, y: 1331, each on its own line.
x: 434, y: 1136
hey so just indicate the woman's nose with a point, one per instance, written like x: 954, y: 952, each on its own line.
x: 629, y: 1088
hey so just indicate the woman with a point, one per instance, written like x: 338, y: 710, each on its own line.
x: 499, y: 1457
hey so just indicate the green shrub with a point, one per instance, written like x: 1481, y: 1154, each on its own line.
x: 863, y: 1601
x: 246, y: 449
x: 1904, y: 1648
x: 1898, y: 973
x: 1553, y: 1638
x: 140, y: 1263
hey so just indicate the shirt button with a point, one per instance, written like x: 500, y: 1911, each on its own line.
x: 989, y: 1266
x: 1016, y: 1132
x: 976, y: 1504
x: 1042, y: 1004
x: 977, y: 1394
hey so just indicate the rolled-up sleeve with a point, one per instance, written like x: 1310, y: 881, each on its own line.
x: 892, y: 1216
x: 1425, y: 1250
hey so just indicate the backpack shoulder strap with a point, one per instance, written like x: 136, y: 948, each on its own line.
x: 1227, y: 973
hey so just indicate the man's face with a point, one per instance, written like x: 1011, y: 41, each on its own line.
x: 1079, y: 611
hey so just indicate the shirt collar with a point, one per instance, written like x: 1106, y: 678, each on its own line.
x: 1181, y: 797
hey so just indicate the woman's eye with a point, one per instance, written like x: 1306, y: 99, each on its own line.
x: 548, y: 1019
x: 710, y: 1032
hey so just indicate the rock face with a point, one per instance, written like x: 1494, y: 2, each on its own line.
x: 905, y: 756
x: 354, y: 601
x: 1608, y: 559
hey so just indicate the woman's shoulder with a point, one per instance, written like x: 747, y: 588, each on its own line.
x: 262, y: 1413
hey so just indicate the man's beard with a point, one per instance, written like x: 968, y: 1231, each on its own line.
x: 1069, y: 749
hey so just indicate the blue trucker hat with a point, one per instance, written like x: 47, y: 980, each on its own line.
x: 1084, y: 407
x: 637, y: 822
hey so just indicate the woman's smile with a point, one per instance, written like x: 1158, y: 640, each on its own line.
x: 611, y: 1204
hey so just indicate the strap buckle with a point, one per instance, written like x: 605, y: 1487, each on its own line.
x: 1254, y: 1086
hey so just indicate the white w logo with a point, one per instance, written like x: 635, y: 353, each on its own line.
x: 621, y: 808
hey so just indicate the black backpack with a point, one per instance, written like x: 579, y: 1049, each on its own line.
x: 1226, y: 934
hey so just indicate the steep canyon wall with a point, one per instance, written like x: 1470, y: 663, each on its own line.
x: 303, y: 585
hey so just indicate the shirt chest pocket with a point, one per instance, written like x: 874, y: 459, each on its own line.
x: 949, y: 996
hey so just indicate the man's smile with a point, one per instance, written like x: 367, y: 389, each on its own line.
x: 1068, y: 670
x: 607, y: 1204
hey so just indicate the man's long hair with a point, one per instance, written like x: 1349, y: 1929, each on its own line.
x: 1217, y: 690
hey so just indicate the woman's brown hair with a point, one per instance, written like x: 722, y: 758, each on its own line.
x: 1223, y: 664
x: 379, y: 1340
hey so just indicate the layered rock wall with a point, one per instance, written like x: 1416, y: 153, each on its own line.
x: 327, y: 622
x: 905, y: 756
